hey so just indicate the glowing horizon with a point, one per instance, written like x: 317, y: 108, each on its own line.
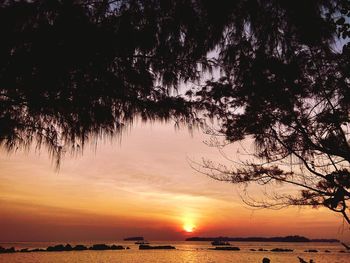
x: 140, y: 186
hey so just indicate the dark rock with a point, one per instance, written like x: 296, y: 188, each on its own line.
x: 115, y: 247
x: 56, y: 248
x: 281, y: 250
x: 266, y: 260
x: 127, y: 248
x: 301, y: 260
x: 60, y: 247
x: 68, y: 247
x: 252, y: 249
x: 80, y: 248
x: 100, y: 247
x: 7, y: 250
x: 327, y: 251
x: 105, y: 247
x: 311, y: 251
x: 155, y: 247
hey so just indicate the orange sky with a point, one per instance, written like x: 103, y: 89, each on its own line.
x: 142, y: 185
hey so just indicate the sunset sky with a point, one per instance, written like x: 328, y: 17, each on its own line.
x: 139, y: 185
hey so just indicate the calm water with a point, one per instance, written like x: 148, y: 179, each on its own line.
x: 189, y: 252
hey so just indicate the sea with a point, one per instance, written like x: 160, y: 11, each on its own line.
x: 186, y: 252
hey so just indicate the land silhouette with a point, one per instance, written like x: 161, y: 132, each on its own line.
x: 262, y: 239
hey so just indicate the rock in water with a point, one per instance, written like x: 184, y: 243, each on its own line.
x: 281, y: 250
x: 155, y: 247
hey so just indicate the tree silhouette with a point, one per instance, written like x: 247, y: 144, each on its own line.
x: 288, y: 90
x: 72, y: 69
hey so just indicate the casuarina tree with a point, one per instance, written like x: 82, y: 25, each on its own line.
x: 72, y: 69
x: 287, y: 90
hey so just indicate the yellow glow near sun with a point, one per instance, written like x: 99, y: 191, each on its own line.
x: 189, y: 220
x: 189, y: 227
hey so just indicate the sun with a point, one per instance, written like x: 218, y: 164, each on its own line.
x: 189, y: 227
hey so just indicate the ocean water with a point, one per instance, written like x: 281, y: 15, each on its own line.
x: 186, y: 252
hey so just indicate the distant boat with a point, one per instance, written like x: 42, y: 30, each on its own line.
x: 220, y: 243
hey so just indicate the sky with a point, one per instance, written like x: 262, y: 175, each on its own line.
x: 141, y: 184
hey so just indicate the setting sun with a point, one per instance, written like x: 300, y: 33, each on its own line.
x: 189, y: 227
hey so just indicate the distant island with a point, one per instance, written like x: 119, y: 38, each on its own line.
x: 263, y: 239
x: 133, y: 239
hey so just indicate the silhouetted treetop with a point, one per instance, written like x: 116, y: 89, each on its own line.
x: 70, y: 70
x: 289, y: 91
